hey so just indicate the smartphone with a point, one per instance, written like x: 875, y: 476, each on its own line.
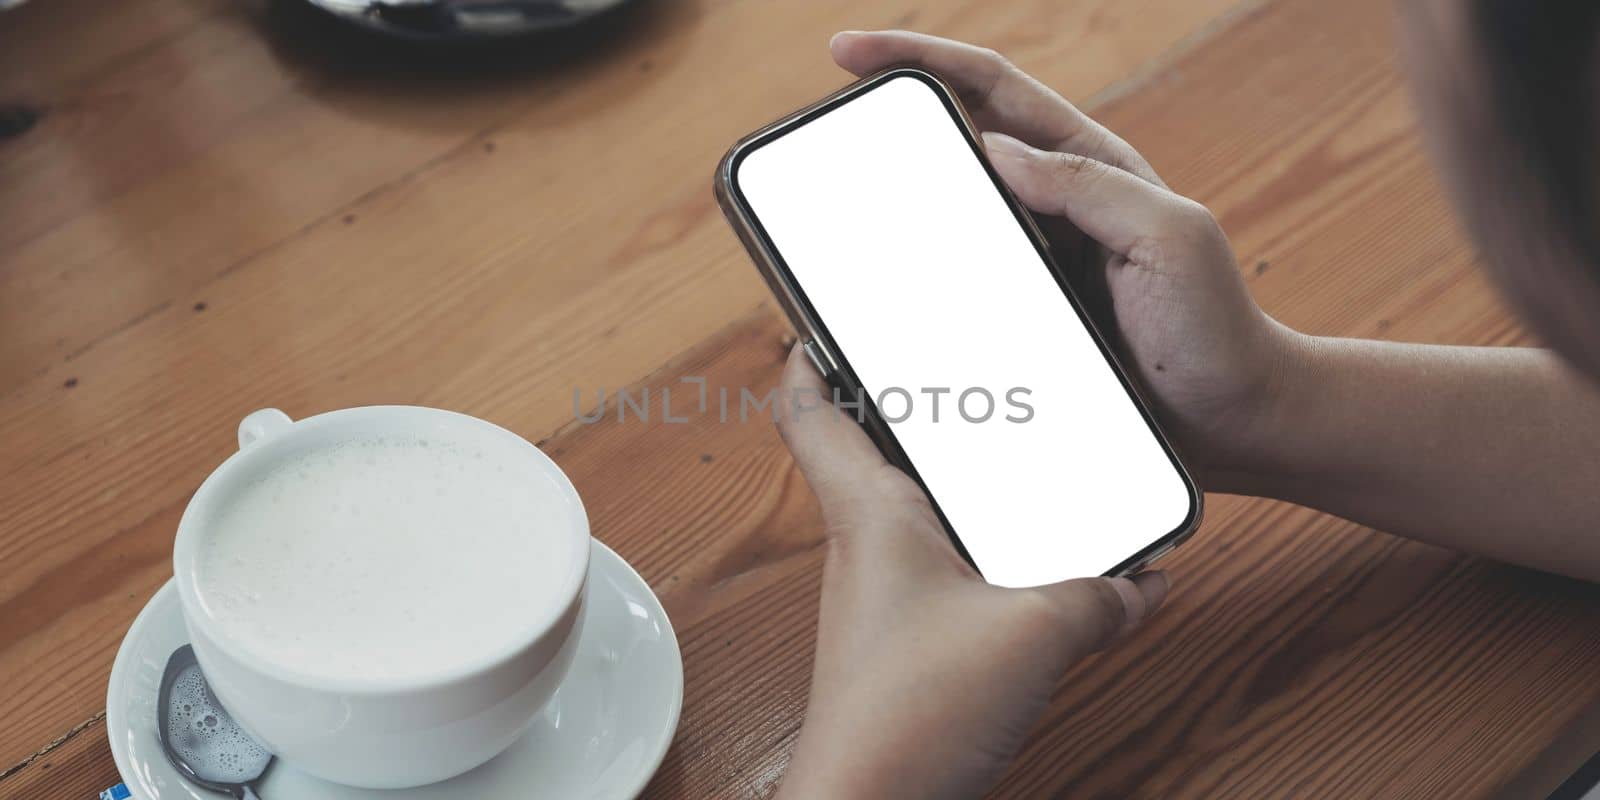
x: 922, y: 288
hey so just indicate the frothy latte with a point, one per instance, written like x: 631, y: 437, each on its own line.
x: 394, y: 557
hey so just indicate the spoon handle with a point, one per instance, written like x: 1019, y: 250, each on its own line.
x: 248, y: 792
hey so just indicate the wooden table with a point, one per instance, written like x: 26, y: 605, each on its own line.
x: 221, y: 208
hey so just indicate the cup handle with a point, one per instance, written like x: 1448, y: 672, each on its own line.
x: 261, y: 425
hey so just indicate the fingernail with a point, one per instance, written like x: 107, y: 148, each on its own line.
x: 1133, y: 604
x: 1000, y: 145
x: 1154, y: 586
x: 842, y: 35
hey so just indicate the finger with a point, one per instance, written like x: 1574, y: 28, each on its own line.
x: 866, y: 502
x: 999, y: 95
x: 1098, y: 610
x: 834, y: 454
x: 1128, y: 216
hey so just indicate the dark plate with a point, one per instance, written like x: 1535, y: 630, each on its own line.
x: 466, y: 20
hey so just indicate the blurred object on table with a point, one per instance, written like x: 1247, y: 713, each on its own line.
x: 463, y: 21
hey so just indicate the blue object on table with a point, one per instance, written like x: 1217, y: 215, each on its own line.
x: 118, y: 792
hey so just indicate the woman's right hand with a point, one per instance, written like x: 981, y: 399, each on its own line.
x: 1153, y: 266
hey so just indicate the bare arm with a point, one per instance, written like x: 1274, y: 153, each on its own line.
x: 1494, y: 451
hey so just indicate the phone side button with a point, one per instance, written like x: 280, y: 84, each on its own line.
x: 818, y: 360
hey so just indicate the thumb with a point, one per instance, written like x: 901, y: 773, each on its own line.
x: 1096, y: 611
x: 1114, y: 207
x: 839, y: 461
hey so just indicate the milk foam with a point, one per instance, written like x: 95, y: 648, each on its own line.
x: 391, y: 556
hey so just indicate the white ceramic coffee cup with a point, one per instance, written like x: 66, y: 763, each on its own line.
x: 372, y: 732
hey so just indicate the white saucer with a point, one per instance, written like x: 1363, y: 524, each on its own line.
x: 601, y: 737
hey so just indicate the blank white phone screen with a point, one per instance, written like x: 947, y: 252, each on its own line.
x: 926, y: 281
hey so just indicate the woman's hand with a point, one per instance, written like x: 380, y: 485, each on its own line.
x: 927, y: 679
x: 1152, y: 266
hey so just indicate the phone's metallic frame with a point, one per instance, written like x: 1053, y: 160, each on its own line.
x: 825, y: 353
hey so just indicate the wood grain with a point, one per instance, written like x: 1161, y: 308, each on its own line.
x: 213, y: 216
x: 78, y: 767
x: 331, y: 234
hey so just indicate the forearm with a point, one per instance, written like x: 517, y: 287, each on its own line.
x: 1494, y: 451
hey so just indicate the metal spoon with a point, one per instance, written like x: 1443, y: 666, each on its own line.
x: 203, y: 743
